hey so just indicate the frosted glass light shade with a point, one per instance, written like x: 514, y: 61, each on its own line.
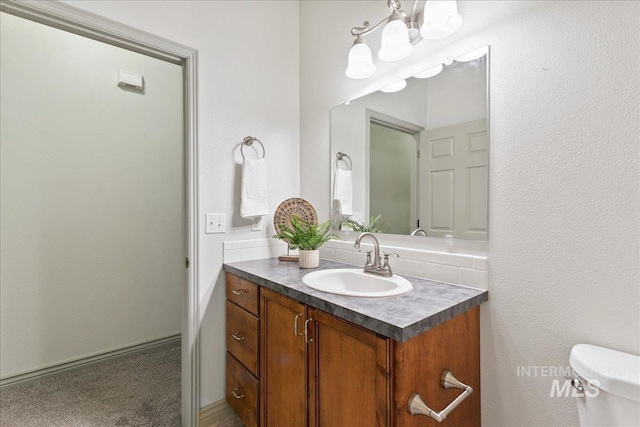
x: 360, y: 63
x: 395, y: 43
x: 394, y: 87
x: 441, y: 19
x: 429, y: 72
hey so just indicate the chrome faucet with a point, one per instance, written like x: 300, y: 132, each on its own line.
x: 419, y: 232
x: 376, y: 266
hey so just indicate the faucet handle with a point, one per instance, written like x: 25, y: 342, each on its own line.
x: 368, y: 262
x: 385, y: 266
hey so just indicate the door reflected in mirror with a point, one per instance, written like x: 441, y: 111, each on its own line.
x: 419, y: 156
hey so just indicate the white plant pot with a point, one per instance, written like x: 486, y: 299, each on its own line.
x: 309, y: 259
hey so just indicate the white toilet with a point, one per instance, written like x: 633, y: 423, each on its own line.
x: 610, y: 383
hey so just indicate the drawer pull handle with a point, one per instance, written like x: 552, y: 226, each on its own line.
x: 306, y: 331
x: 295, y: 325
x: 236, y: 337
x: 417, y: 407
x: 236, y: 395
x: 238, y: 291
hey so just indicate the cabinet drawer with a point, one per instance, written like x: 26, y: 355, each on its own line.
x: 245, y: 400
x: 242, y: 336
x: 243, y: 293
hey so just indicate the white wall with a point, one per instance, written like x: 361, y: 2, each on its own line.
x: 92, y: 198
x: 248, y: 85
x: 564, y: 199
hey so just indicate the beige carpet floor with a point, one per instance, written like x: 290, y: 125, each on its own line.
x: 139, y: 390
x: 232, y: 421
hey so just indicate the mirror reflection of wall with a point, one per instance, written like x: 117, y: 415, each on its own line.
x: 420, y: 155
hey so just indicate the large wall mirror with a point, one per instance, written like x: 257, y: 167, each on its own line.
x: 416, y: 158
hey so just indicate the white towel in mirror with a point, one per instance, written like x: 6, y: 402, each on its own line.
x: 343, y: 190
x: 253, y: 195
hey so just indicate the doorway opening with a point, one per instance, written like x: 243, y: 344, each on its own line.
x: 122, y: 174
x: 393, y: 147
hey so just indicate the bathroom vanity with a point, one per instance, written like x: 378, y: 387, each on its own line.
x: 301, y: 357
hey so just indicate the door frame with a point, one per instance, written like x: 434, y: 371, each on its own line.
x: 74, y: 20
x: 376, y: 117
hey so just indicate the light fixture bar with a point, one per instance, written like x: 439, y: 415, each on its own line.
x: 394, y: 6
x: 441, y: 19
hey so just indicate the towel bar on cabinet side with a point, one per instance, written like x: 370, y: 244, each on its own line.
x: 416, y: 406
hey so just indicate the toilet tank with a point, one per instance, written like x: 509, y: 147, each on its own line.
x: 611, y: 383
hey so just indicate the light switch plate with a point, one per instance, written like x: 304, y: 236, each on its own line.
x: 215, y: 223
x: 256, y: 224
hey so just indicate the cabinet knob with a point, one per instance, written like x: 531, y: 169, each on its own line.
x: 238, y: 291
x: 236, y: 395
x: 237, y: 337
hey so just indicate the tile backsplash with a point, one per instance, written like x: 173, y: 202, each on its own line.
x: 246, y: 250
x: 459, y: 269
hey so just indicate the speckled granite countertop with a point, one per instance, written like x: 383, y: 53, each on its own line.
x: 399, y: 317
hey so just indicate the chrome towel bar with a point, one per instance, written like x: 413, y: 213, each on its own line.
x: 416, y: 406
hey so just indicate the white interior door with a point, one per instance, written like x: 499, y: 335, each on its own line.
x: 453, y: 167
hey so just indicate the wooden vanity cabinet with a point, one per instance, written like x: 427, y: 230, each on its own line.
x: 317, y: 370
x: 283, y: 364
x: 242, y: 339
x: 348, y: 374
x: 418, y: 364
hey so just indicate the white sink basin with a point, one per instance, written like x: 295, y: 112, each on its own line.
x: 355, y: 282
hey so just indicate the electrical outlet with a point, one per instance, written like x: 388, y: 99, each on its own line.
x: 215, y: 223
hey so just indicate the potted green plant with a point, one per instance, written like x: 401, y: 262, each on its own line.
x: 371, y: 227
x: 306, y: 238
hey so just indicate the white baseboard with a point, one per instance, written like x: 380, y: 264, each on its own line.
x: 211, y: 414
x: 58, y: 368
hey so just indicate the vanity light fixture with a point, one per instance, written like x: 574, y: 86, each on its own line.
x: 394, y: 87
x: 441, y: 19
x: 395, y: 44
x: 400, y: 33
x: 360, y: 60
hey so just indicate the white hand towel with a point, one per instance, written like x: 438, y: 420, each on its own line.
x: 343, y: 190
x: 253, y: 195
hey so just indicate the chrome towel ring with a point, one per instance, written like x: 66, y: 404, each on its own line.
x: 248, y: 140
x: 341, y: 156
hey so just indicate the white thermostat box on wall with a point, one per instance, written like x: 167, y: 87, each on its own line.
x: 130, y: 80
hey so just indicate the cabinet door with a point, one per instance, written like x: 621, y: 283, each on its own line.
x: 283, y: 365
x: 348, y: 374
